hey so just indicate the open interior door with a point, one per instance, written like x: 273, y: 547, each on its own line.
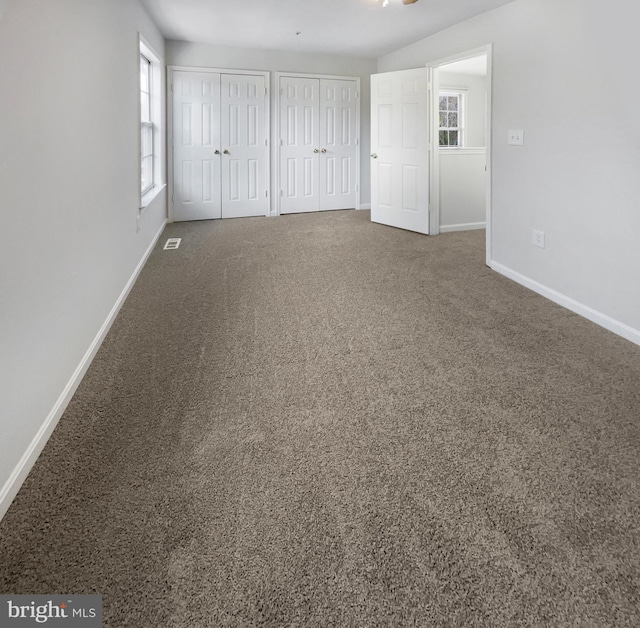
x: 400, y: 149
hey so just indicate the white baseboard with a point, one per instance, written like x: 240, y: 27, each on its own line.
x: 629, y: 333
x: 365, y: 206
x: 465, y: 226
x: 21, y: 471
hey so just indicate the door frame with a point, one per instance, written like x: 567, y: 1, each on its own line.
x: 434, y: 174
x: 267, y: 120
x: 275, y: 210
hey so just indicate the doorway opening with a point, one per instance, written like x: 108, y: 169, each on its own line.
x: 460, y: 143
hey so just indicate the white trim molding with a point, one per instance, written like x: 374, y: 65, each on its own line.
x: 24, y: 466
x: 621, y: 329
x: 466, y: 226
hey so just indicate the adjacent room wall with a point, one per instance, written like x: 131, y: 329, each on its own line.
x: 225, y: 57
x: 561, y: 72
x: 463, y: 189
x: 475, y: 89
x: 69, y: 116
x: 462, y: 171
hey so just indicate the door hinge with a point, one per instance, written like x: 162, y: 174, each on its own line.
x: 266, y: 193
x: 357, y: 94
x: 357, y: 142
x: 265, y: 91
x: 281, y: 192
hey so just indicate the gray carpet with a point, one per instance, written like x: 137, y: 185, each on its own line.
x: 318, y: 421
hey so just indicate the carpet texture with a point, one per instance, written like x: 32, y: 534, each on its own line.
x: 316, y: 421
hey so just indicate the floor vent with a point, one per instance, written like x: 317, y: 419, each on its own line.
x: 172, y: 243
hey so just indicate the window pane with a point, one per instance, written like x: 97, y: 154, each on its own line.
x: 144, y: 74
x: 443, y: 119
x: 146, y: 147
x: 453, y: 120
x: 453, y: 138
x: 147, y: 173
x: 453, y: 103
x: 145, y: 110
x: 443, y: 103
x: 444, y: 138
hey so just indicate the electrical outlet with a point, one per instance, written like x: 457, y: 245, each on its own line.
x: 515, y: 138
x: 538, y: 238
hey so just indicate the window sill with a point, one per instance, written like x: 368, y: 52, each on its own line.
x: 147, y: 199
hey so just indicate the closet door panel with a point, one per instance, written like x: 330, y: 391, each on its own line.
x: 244, y: 149
x: 338, y: 133
x: 196, y: 130
x: 299, y: 129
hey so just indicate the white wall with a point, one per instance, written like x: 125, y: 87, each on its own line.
x: 225, y: 57
x: 475, y: 89
x: 463, y: 197
x: 558, y: 68
x: 69, y: 113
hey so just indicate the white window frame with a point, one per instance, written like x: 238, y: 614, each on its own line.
x: 154, y: 123
x: 147, y: 154
x: 460, y: 94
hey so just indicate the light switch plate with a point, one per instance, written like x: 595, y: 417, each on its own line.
x: 515, y: 138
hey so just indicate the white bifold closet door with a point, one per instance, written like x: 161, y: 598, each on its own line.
x: 219, y: 146
x: 318, y: 144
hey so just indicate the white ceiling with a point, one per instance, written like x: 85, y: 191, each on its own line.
x: 359, y: 28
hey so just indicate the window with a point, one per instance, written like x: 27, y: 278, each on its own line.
x: 151, y: 129
x: 451, y: 119
x: 146, y: 127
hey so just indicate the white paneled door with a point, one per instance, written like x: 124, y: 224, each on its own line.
x: 196, y: 146
x: 219, y: 145
x: 243, y: 146
x: 318, y: 144
x: 338, y: 144
x: 299, y: 145
x: 400, y: 149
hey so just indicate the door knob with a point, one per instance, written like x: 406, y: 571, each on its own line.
x: 315, y: 150
x: 225, y: 151
x: 324, y: 150
x: 216, y: 152
x: 374, y: 155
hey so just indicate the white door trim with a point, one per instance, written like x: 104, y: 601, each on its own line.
x: 432, y: 67
x: 267, y: 109
x: 275, y: 210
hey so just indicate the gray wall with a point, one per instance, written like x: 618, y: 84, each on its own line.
x: 69, y: 116
x: 225, y: 57
x: 463, y: 189
x: 557, y: 67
